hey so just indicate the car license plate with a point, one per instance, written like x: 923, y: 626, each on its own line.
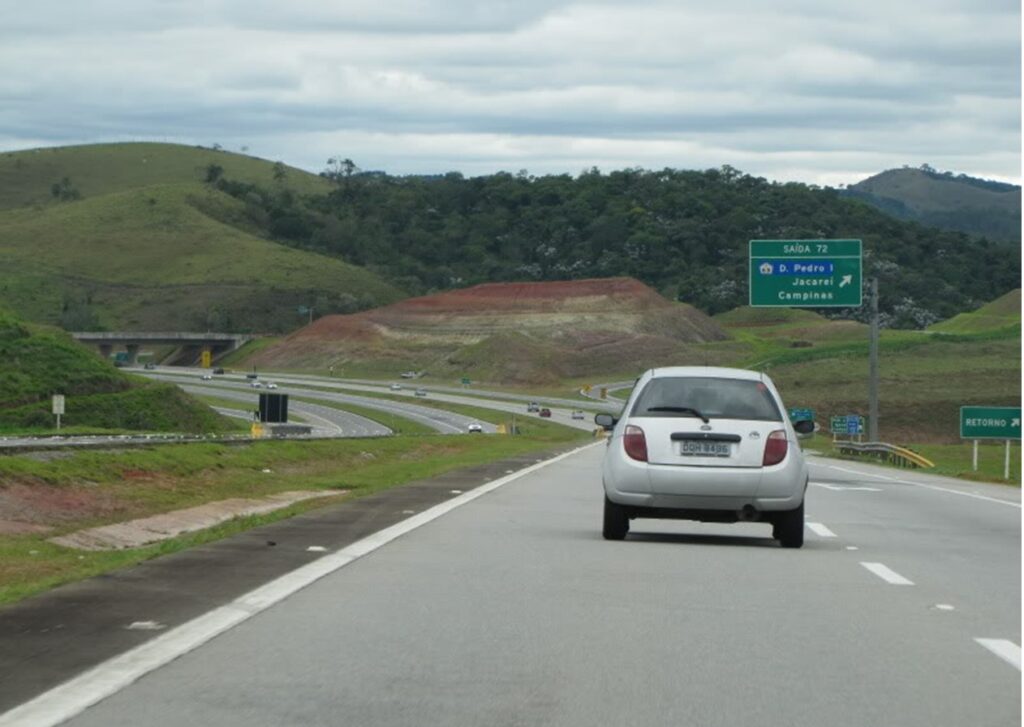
x: 698, y: 448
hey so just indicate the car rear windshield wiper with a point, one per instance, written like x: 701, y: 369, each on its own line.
x: 679, y: 409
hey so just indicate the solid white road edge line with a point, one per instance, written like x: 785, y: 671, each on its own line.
x: 921, y: 484
x: 887, y: 574
x: 76, y: 695
x: 1004, y: 649
x: 820, y: 530
x: 958, y: 492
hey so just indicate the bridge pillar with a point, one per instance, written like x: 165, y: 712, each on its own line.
x: 206, y: 358
x: 105, y: 350
x: 133, y: 353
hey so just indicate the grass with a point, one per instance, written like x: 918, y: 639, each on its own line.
x: 98, y: 169
x: 36, y: 362
x: 157, y: 258
x: 1001, y: 313
x: 135, y: 483
x: 953, y: 460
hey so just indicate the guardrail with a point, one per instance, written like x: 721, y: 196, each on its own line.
x: 897, y: 455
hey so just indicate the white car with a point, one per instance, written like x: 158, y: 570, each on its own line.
x: 271, y: 385
x: 256, y: 385
x: 577, y: 414
x: 396, y: 387
x: 207, y: 377
x: 709, y: 444
x: 475, y: 428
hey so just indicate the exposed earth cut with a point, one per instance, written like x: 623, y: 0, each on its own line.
x: 509, y: 332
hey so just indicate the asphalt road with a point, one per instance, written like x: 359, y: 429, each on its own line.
x: 327, y: 421
x: 418, y: 408
x: 903, y: 608
x: 442, y: 421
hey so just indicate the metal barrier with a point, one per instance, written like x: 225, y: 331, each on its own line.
x: 900, y: 456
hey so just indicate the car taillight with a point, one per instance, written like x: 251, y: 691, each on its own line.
x: 775, y: 448
x: 635, y: 443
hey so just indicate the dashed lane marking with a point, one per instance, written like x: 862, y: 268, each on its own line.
x: 887, y: 574
x: 847, y: 488
x: 1004, y: 649
x: 820, y: 530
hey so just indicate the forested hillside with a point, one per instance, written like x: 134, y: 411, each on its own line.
x: 940, y: 199
x: 684, y: 233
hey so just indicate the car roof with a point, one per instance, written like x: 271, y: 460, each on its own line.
x: 719, y: 372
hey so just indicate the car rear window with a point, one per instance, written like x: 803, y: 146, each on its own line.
x: 715, y: 398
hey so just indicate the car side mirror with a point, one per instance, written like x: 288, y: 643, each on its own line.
x: 605, y: 420
x: 806, y: 426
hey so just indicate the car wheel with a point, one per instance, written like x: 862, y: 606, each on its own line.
x: 616, y: 522
x: 788, y: 529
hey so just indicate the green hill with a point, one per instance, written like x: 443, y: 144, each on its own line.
x: 961, y: 203
x: 166, y: 257
x: 36, y: 363
x: 27, y: 177
x: 1002, y: 313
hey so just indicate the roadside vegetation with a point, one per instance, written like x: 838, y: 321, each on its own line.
x: 67, y: 491
x: 952, y: 460
x: 37, y: 362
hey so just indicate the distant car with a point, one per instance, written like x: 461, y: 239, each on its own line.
x: 251, y: 375
x: 709, y: 444
x: 577, y: 414
x: 475, y: 428
x: 396, y: 387
x: 533, y: 406
x: 271, y: 385
x: 421, y: 392
x: 207, y: 377
x: 546, y: 413
x: 218, y: 371
x: 256, y: 385
x: 150, y: 366
x: 408, y: 374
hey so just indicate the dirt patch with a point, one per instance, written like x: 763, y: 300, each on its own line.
x: 139, y: 532
x: 491, y: 330
x: 13, y: 527
x: 46, y: 505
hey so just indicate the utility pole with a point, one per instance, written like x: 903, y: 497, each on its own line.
x: 873, y: 366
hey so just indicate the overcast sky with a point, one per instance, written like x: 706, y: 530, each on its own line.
x: 819, y: 91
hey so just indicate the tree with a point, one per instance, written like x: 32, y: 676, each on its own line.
x: 214, y: 173
x: 279, y: 172
x: 64, y: 191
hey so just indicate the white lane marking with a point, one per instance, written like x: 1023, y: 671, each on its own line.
x: 145, y: 626
x: 887, y: 574
x: 76, y: 695
x: 1004, y: 649
x: 316, y: 549
x: 852, y: 547
x: 944, y: 607
x: 859, y: 473
x: 959, y: 492
x: 820, y: 530
x: 845, y: 488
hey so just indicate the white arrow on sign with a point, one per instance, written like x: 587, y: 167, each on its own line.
x: 1015, y: 422
x: 847, y: 279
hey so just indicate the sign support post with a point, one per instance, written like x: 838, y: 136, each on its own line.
x: 1006, y: 462
x: 873, y: 366
x: 974, y: 458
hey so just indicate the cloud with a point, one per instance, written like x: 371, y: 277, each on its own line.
x: 794, y: 86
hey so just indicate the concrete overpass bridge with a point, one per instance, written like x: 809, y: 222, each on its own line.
x: 189, y: 346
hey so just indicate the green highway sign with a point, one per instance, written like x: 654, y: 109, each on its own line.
x: 465, y: 381
x: 990, y: 422
x: 801, y: 415
x: 805, y: 273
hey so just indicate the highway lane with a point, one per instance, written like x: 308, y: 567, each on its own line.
x: 442, y: 421
x: 512, y: 610
x: 324, y: 386
x: 326, y: 421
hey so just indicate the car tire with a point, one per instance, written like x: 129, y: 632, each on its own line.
x: 616, y: 521
x: 788, y: 528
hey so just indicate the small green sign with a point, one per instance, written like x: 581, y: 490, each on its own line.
x: 465, y: 381
x: 805, y: 273
x: 801, y: 415
x: 990, y: 422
